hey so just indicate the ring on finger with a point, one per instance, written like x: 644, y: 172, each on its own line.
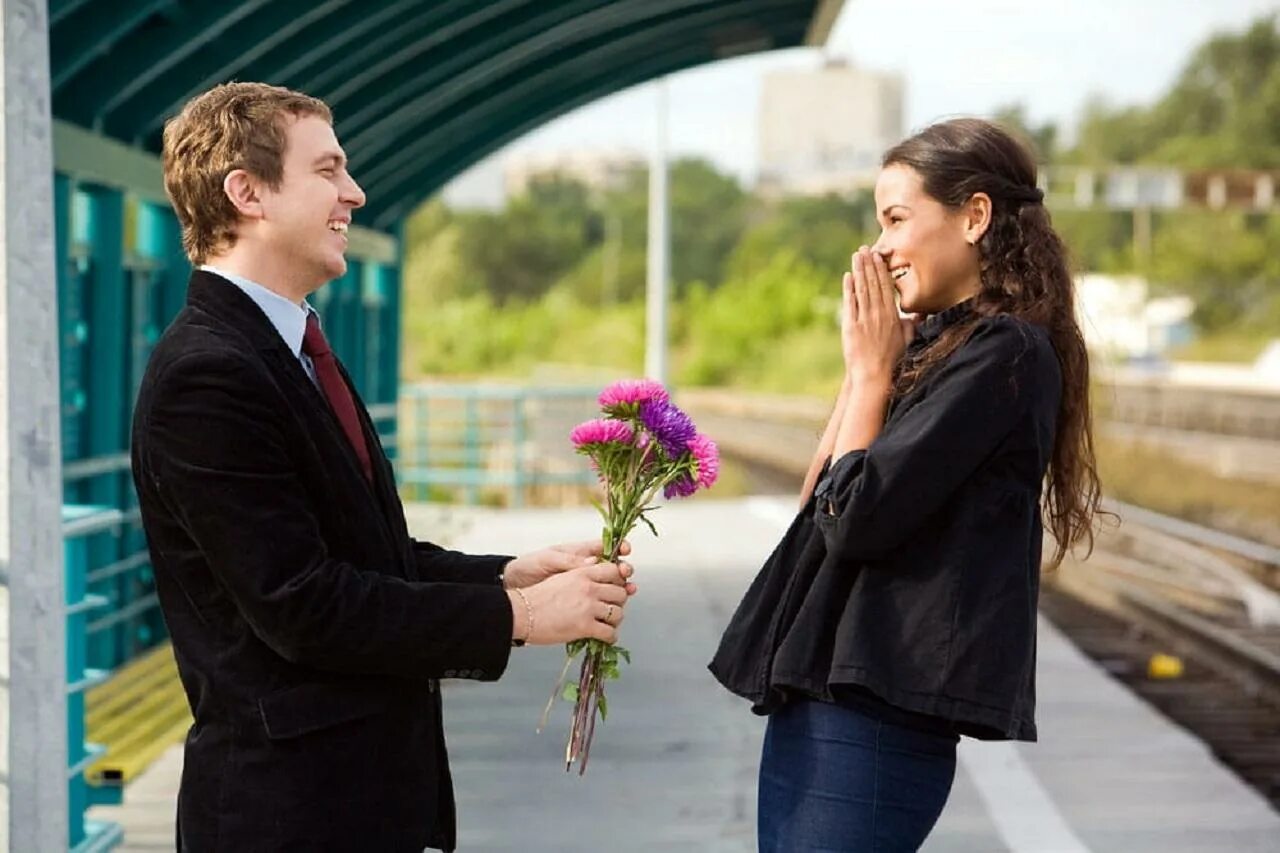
x: 608, y: 614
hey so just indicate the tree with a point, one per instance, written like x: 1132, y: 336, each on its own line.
x: 1043, y: 139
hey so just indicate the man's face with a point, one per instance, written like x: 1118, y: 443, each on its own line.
x: 305, y: 219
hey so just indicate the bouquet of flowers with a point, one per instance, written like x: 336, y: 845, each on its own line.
x: 642, y: 444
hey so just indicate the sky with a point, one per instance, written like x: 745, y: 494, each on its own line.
x: 957, y: 57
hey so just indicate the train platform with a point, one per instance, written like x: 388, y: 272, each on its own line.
x: 673, y: 768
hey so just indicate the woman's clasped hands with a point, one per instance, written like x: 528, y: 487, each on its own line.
x: 873, y: 333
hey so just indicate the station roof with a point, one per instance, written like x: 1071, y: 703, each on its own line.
x: 420, y: 89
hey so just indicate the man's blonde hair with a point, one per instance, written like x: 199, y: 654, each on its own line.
x: 231, y: 126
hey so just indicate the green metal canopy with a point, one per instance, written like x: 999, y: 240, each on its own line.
x: 420, y: 89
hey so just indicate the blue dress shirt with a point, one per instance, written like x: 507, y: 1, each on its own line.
x: 289, y: 318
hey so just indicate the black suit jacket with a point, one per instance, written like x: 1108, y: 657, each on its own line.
x: 308, y: 627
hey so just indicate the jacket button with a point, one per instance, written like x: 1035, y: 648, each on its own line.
x: 450, y: 673
x: 464, y: 673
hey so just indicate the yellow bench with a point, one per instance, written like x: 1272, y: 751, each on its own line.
x: 136, y: 714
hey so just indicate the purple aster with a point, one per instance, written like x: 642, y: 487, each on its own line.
x: 671, y: 427
x: 680, y: 487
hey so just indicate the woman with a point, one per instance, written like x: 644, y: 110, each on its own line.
x: 899, y: 610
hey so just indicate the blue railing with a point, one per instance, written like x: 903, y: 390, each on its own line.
x: 79, y: 524
x: 498, y: 444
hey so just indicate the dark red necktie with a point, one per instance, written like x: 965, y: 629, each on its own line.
x: 335, y: 390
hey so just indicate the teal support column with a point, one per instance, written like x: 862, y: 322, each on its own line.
x: 177, y: 268
x: 354, y: 317
x: 393, y: 278
x: 389, y: 355
x: 153, y: 297
x: 373, y: 299
x: 108, y: 387
x: 149, y: 292
x: 347, y: 320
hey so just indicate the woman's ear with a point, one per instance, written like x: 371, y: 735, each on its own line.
x: 977, y: 217
x: 242, y: 188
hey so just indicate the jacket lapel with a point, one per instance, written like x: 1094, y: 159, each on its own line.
x: 224, y: 300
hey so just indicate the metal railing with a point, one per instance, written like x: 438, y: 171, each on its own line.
x: 79, y: 523
x: 499, y: 444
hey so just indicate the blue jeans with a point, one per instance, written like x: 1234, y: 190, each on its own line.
x: 835, y: 779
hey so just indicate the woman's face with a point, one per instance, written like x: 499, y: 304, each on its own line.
x: 927, y: 246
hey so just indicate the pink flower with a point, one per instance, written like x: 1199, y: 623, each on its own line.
x: 601, y: 431
x: 707, y: 456
x: 627, y: 392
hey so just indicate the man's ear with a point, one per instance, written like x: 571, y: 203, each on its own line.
x: 977, y: 217
x: 245, y: 193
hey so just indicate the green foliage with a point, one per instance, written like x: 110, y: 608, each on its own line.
x: 1231, y: 287
x: 1043, y: 139
x: 735, y: 328
x: 708, y: 212
x: 1221, y: 112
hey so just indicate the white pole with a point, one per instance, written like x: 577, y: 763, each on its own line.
x: 659, y: 263
x: 33, y: 688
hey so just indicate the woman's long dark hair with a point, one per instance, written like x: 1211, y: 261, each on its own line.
x: 1024, y: 273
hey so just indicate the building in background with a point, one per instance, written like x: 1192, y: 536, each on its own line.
x: 1120, y: 322
x: 597, y: 169
x: 825, y: 130
x: 482, y: 187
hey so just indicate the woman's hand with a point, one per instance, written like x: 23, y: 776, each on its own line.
x: 872, y: 333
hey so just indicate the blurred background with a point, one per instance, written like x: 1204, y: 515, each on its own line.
x: 538, y: 226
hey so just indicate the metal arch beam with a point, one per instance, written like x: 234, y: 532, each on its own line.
x: 148, y: 109
x: 598, y: 35
x: 60, y: 9
x: 574, y: 61
x: 824, y: 19
x: 143, y: 57
x: 92, y: 34
x: 333, y: 83
x: 419, y: 185
x: 389, y: 93
x: 425, y: 164
x: 332, y: 55
x: 323, y: 39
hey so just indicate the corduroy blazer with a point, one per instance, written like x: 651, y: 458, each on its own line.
x: 309, y: 628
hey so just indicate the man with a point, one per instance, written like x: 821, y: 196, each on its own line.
x: 308, y: 627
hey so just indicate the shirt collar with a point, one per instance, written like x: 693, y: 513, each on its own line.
x: 288, y: 318
x: 934, y: 324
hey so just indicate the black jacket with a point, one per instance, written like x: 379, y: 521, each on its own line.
x: 308, y: 627
x: 913, y: 572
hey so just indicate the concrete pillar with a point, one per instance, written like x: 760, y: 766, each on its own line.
x: 1264, y: 191
x: 659, y: 260
x: 32, y: 614
x: 1217, y: 192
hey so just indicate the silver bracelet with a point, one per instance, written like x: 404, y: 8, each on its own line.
x: 528, y: 609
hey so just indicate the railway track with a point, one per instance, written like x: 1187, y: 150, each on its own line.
x: 1189, y: 619
x: 1186, y: 616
